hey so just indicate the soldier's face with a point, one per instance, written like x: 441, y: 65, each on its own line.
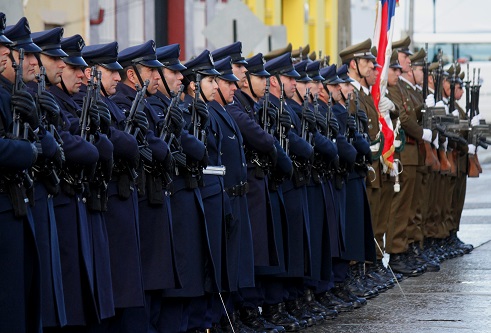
x: 4, y: 55
x: 239, y: 70
x: 404, y: 61
x: 335, y: 90
x: 174, y: 80
x: 302, y: 88
x: 372, y: 77
x: 458, y: 91
x: 151, y: 74
x: 393, y: 76
x: 28, y: 66
x: 72, y: 78
x: 228, y: 89
x: 418, y: 75
x: 54, y: 68
x: 109, y: 80
x: 315, y: 87
x: 347, y: 88
x: 209, y: 87
x: 290, y: 84
x: 446, y: 88
x: 365, y: 66
x: 258, y: 85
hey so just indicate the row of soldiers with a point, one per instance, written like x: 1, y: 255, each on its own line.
x: 140, y: 194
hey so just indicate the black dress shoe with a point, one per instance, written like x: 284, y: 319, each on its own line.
x: 250, y: 317
x: 466, y: 248
x: 398, y: 264
x: 332, y: 302
x: 421, y: 258
x: 298, y: 310
x: 313, y: 306
x: 277, y: 315
x: 340, y: 290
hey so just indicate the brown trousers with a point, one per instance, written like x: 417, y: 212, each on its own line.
x: 458, y: 199
x: 400, y: 212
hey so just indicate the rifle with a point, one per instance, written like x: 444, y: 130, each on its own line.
x: 24, y: 176
x: 305, y: 125
x: 439, y: 78
x: 85, y: 132
x: 477, y: 136
x: 48, y: 169
x: 328, y: 116
x: 425, y: 74
x: 198, y: 131
x: 265, y: 118
x: 145, y: 151
x: 169, y: 138
x: 282, y: 132
x: 17, y: 86
x: 467, y: 85
x: 347, y: 131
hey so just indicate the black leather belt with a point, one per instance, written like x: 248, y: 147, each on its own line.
x: 238, y: 190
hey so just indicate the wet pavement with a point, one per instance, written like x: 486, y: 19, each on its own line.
x: 456, y: 299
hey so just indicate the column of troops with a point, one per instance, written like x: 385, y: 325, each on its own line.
x: 140, y: 194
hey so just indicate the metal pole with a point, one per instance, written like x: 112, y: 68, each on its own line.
x: 434, y: 16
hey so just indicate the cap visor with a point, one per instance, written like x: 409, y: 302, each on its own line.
x: 229, y: 77
x: 5, y: 40
x: 242, y: 61
x: 317, y: 78
x: 112, y: 66
x: 293, y: 73
x: 335, y: 80
x: 55, y: 53
x: 29, y: 47
x: 75, y: 61
x: 151, y: 63
x: 368, y: 56
x: 210, y: 71
x: 347, y: 79
x: 261, y: 73
x: 176, y: 67
x: 396, y: 66
x: 304, y: 79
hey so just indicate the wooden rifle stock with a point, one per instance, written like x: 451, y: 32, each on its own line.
x: 473, y: 166
x: 435, y: 167
x: 445, y: 165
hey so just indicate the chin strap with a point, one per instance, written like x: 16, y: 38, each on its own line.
x: 139, y: 77
x: 248, y: 76
x: 161, y: 73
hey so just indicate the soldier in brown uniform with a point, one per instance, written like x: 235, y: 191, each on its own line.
x: 415, y: 231
x: 453, y: 196
x: 458, y: 196
x: 409, y: 112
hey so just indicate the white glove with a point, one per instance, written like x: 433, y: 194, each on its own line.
x: 455, y: 113
x: 430, y: 100
x: 475, y: 120
x: 385, y: 104
x: 436, y: 142
x: 472, y: 149
x: 427, y: 134
x: 445, y: 144
x: 442, y: 104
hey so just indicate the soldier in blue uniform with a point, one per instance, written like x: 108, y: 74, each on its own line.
x: 121, y: 216
x: 47, y: 182
x: 326, y: 151
x: 295, y: 197
x: 78, y: 238
x: 261, y: 155
x: 341, y: 259
x: 155, y: 219
x: 239, y: 250
x: 190, y: 239
x: 215, y: 201
x: 20, y: 273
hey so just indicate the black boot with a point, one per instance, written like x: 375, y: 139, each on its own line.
x: 298, y: 310
x: 334, y: 303
x: 398, y: 264
x: 431, y: 265
x: 277, y: 315
x: 251, y: 318
x: 340, y: 290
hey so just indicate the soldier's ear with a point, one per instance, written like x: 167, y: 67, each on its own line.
x: 131, y: 75
x: 87, y: 71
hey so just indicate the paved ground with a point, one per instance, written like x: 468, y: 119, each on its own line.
x: 456, y: 299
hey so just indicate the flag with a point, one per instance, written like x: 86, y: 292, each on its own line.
x: 382, y: 39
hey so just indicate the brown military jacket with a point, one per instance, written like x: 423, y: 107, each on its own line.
x: 367, y: 105
x: 463, y: 150
x: 408, y: 115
